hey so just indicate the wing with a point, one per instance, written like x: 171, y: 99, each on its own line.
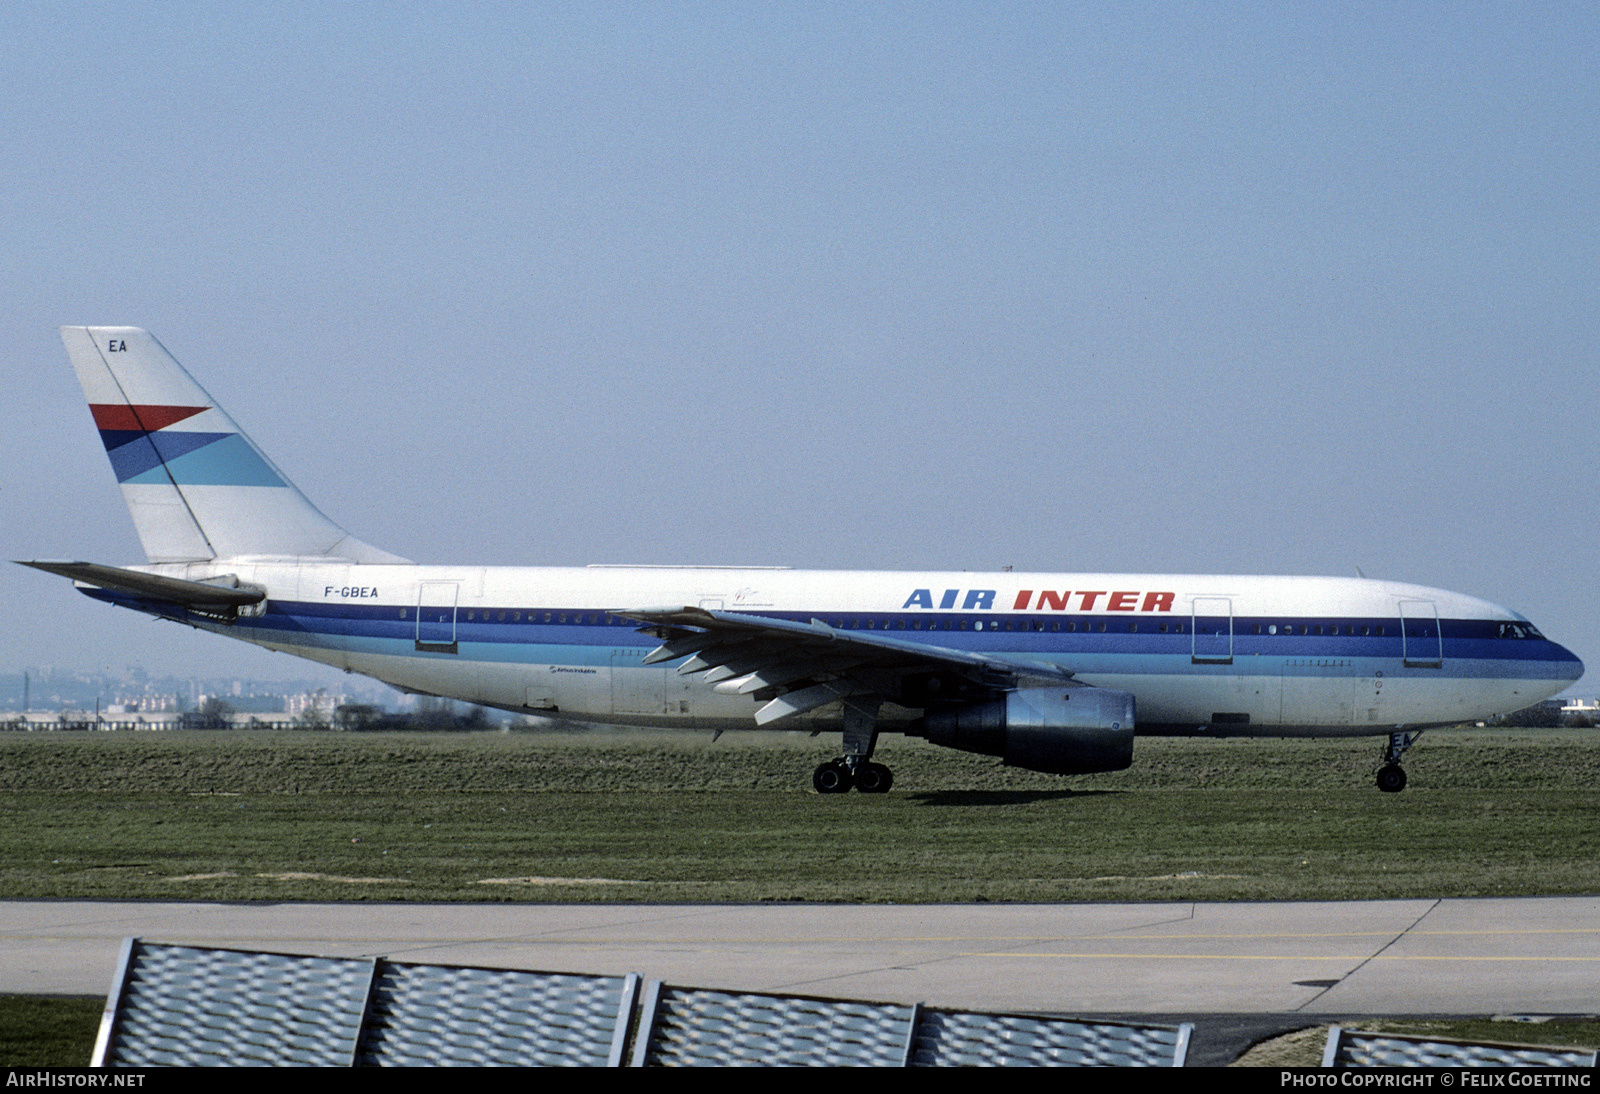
x: 797, y: 667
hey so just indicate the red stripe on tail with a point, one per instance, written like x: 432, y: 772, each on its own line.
x: 147, y: 418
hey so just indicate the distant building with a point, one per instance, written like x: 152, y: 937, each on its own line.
x: 313, y: 702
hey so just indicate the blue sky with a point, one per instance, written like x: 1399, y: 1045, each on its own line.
x: 1195, y: 288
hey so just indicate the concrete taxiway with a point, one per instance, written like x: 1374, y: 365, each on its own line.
x: 1521, y: 955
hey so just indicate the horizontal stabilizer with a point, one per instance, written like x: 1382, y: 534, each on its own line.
x: 197, y: 594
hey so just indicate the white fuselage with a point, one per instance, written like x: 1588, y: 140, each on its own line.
x: 1225, y: 655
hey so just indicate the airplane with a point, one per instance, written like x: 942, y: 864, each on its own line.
x: 1052, y: 672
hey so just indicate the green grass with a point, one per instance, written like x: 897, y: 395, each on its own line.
x: 1554, y: 1032
x: 1303, y: 1048
x: 48, y: 1031
x: 668, y: 817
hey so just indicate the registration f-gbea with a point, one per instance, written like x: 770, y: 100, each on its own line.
x: 1055, y: 672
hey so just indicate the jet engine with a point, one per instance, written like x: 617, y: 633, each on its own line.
x: 1064, y: 731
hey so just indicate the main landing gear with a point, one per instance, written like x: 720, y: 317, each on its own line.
x: 836, y: 777
x: 1391, y: 776
x: 854, y: 768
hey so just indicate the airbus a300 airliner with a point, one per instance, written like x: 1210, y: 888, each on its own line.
x: 1054, y: 672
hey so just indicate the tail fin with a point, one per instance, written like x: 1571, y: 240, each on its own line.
x: 197, y: 487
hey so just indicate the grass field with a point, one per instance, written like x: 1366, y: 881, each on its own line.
x: 48, y: 1031
x: 668, y: 817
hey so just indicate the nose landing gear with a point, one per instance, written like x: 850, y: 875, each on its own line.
x: 1391, y: 776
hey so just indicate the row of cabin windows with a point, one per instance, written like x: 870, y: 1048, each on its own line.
x: 605, y: 618
x: 1053, y: 625
x: 1070, y: 626
x: 1330, y: 629
x: 475, y: 616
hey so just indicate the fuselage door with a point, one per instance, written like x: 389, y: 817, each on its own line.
x: 436, y: 616
x: 1212, y: 634
x: 1422, y: 644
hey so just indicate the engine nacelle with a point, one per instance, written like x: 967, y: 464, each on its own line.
x: 1065, y: 731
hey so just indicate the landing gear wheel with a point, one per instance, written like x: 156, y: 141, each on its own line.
x: 874, y: 779
x: 1391, y: 778
x: 832, y: 777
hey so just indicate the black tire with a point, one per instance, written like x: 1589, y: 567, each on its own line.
x: 832, y: 777
x: 874, y: 779
x: 1391, y: 778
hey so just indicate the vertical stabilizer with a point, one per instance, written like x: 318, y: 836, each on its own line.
x: 198, y: 488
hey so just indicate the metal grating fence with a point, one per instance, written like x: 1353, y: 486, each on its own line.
x: 185, y: 1005
x: 694, y: 1027
x: 947, y: 1038
x: 1354, y: 1048
x: 179, y: 1005
x: 433, y: 1015
x: 182, y: 1005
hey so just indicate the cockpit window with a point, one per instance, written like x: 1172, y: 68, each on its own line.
x: 1519, y: 630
